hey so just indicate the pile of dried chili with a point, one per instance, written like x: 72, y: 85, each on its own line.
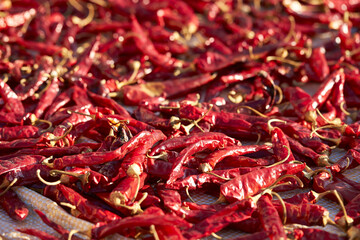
x: 120, y: 110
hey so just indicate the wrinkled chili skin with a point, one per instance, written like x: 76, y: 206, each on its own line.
x: 314, y: 233
x: 13, y: 206
x: 249, y: 184
x: 87, y: 210
x: 270, y: 219
x: 238, y: 211
x: 352, y: 211
x: 37, y: 233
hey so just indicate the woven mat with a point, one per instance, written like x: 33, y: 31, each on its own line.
x: 58, y: 215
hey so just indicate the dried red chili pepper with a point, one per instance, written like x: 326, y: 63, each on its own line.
x: 183, y: 141
x: 18, y: 132
x: 319, y: 159
x: 317, y: 68
x: 55, y: 226
x: 37, y: 233
x: 144, y: 44
x: 134, y: 160
x: 302, y: 134
x: 324, y: 182
x: 169, y: 89
x: 143, y: 220
x: 47, y: 98
x: 352, y: 212
x: 250, y: 184
x: 84, y: 209
x: 13, y: 110
x: 305, y: 214
x: 215, y: 157
x: 17, y: 19
x: 350, y: 160
x: 269, y: 218
x: 93, y: 158
x: 220, y: 120
x: 186, y: 153
x: 127, y: 189
x: 234, y: 212
x: 311, y: 233
x: 13, y: 206
x: 168, y: 232
x: 211, y: 61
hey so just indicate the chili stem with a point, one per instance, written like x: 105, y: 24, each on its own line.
x: 188, y: 194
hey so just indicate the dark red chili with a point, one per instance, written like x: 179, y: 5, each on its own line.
x: 269, y: 218
x: 250, y: 184
x: 13, y: 206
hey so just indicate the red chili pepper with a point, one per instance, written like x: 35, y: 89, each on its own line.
x: 42, y: 48
x: 234, y: 212
x: 109, y: 103
x: 314, y: 233
x: 220, y: 120
x: 300, y: 100
x: 18, y: 132
x: 53, y: 225
x: 13, y: 110
x: 269, y: 218
x: 13, y: 206
x: 250, y: 184
x: 187, y: 153
x: 322, y: 182
x: 352, y: 211
x: 61, y: 100
x: 134, y: 161
x: 349, y: 161
x: 40, y: 77
x: 211, y: 61
x: 144, y: 44
x: 184, y: 141
x: 279, y: 142
x: 93, y: 158
x: 17, y: 19
x: 127, y: 189
x: 91, y: 181
x: 317, y: 68
x: 319, y: 159
x: 309, y: 13
x: 86, y: 59
x: 244, y: 161
x: 37, y: 233
x: 343, y: 6
x: 324, y: 91
x: 168, y: 232
x: 305, y: 214
x: 47, y: 98
x: 244, y: 75
x: 302, y: 134
x: 169, y: 89
x: 215, y: 157
x: 60, y: 151
x: 162, y: 169
x: 143, y: 220
x: 194, y: 181
x: 84, y: 209
x: 24, y: 175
